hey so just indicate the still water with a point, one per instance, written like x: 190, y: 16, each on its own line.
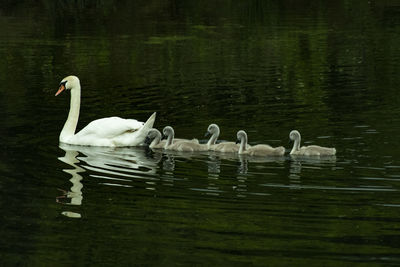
x: 328, y: 70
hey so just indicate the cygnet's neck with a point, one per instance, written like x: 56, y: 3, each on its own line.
x: 155, y: 141
x: 243, y: 143
x: 213, y: 138
x: 72, y: 121
x: 170, y: 138
x: 296, y: 145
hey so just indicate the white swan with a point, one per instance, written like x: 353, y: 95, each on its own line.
x: 183, y: 145
x: 257, y: 150
x: 308, y: 150
x: 112, y: 131
x: 225, y: 147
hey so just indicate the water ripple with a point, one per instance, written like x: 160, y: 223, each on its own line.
x: 372, y: 189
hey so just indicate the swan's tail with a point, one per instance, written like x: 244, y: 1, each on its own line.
x: 141, y: 134
x: 150, y: 121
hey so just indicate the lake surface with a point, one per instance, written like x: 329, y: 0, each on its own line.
x: 330, y: 71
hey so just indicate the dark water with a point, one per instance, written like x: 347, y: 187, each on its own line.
x: 330, y: 70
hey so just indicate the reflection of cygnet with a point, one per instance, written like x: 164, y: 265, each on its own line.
x: 224, y: 147
x: 184, y: 145
x: 257, y: 150
x: 308, y: 150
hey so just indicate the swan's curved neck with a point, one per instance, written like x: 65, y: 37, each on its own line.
x: 213, y: 138
x: 170, y: 138
x: 72, y: 121
x: 243, y: 143
x: 155, y: 141
x: 296, y: 145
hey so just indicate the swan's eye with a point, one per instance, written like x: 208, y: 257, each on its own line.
x: 63, y: 83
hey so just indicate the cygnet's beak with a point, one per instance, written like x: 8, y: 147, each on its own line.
x: 61, y: 88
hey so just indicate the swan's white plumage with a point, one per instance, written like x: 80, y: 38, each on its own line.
x: 112, y: 131
x: 312, y: 150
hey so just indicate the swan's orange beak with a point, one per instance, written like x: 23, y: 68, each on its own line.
x: 60, y: 89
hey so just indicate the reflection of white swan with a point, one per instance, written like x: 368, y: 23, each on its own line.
x: 118, y: 165
x: 112, y: 166
x: 75, y: 193
x: 112, y: 131
x: 257, y: 150
x: 76, y: 190
x: 308, y: 150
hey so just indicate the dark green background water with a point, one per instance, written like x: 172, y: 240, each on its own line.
x: 330, y: 70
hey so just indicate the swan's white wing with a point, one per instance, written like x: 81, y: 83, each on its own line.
x: 109, y: 127
x: 113, y: 131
